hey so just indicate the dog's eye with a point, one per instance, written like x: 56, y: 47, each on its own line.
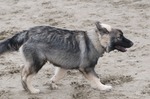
x: 119, y: 38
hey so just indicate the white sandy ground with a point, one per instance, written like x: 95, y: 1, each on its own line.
x: 129, y: 72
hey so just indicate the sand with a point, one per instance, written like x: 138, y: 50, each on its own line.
x: 127, y: 72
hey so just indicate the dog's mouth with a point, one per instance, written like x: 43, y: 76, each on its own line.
x: 120, y: 48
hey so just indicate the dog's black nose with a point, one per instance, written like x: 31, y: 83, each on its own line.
x: 131, y: 43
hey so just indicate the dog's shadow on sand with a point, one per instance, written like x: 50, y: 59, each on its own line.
x: 117, y: 80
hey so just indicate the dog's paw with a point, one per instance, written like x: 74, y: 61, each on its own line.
x: 35, y: 91
x: 105, y: 87
x: 53, y: 86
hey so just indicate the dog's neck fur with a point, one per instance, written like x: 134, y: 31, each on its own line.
x: 94, y: 36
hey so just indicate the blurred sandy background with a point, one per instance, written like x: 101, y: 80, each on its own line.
x: 129, y: 72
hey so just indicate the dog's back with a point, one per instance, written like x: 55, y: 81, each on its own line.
x: 55, y: 37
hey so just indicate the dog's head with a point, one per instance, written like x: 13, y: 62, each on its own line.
x: 112, y: 39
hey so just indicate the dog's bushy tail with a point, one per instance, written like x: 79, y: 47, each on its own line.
x: 13, y: 43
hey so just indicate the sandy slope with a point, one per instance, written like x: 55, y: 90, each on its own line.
x: 127, y: 72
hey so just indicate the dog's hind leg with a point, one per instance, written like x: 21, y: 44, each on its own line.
x: 59, y: 74
x: 34, y: 61
x: 26, y: 78
x: 28, y: 71
x: 91, y: 75
x: 23, y: 78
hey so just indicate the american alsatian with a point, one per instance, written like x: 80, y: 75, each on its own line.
x: 66, y: 49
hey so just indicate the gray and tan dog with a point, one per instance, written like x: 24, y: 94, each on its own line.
x: 66, y: 49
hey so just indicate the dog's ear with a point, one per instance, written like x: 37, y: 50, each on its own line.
x: 119, y: 31
x: 101, y: 28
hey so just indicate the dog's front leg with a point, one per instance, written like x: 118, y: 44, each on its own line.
x: 95, y: 81
x: 59, y: 74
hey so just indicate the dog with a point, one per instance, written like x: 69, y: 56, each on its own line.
x: 65, y: 49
